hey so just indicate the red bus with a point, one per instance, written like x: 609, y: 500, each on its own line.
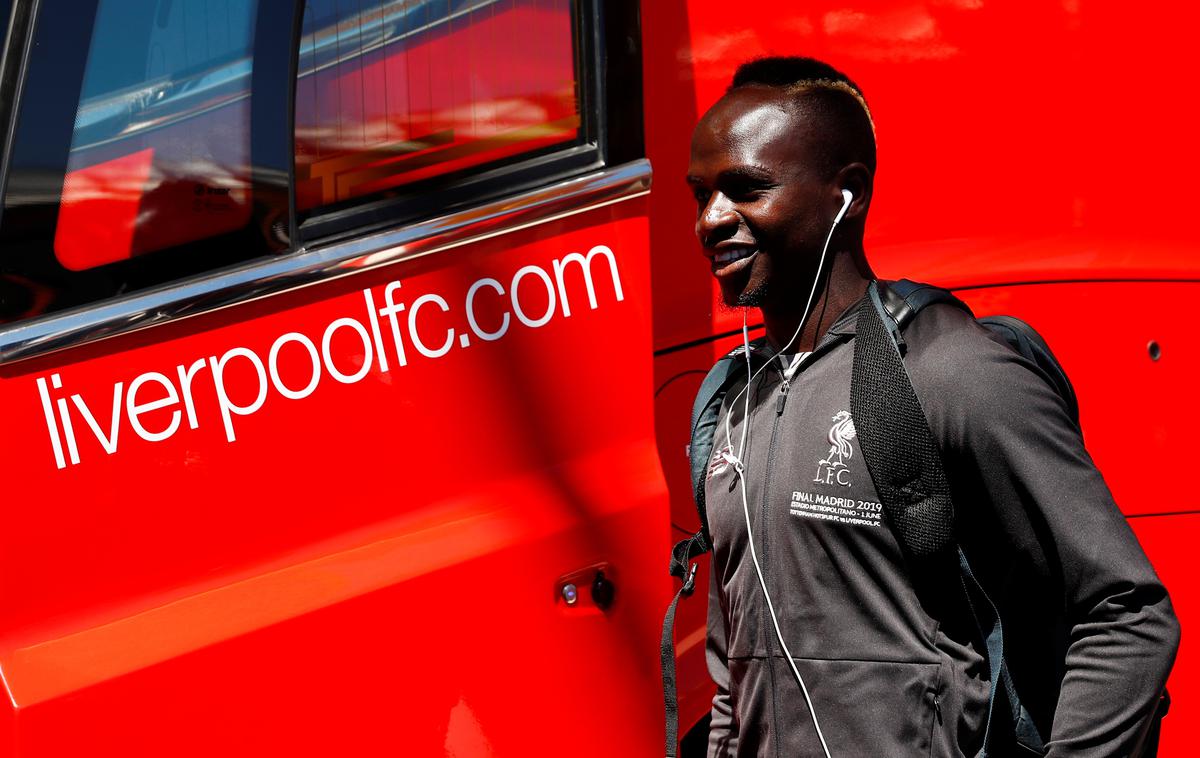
x: 346, y: 352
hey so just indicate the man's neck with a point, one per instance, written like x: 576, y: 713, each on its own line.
x: 847, y: 282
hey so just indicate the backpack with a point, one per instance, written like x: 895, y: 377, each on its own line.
x: 912, y: 487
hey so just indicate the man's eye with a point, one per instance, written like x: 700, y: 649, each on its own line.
x: 745, y: 192
x: 701, y: 196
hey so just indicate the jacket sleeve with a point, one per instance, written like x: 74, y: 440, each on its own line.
x: 722, y: 734
x: 1009, y: 442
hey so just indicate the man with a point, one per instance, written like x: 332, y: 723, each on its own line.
x: 892, y: 663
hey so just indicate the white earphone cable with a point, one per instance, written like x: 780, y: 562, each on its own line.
x: 736, y: 460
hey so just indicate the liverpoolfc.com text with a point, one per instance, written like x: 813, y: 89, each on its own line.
x: 384, y: 323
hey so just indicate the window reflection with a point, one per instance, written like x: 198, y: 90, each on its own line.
x: 160, y: 153
x: 393, y: 92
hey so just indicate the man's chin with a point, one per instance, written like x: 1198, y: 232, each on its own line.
x: 751, y: 298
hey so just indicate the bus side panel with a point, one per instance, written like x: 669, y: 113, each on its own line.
x: 374, y: 567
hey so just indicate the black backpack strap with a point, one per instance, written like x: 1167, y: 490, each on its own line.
x: 912, y: 486
x: 706, y: 412
x: 1002, y: 697
x: 912, y: 483
x: 666, y: 652
x: 903, y: 299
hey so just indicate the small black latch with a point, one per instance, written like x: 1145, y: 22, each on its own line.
x: 602, y: 591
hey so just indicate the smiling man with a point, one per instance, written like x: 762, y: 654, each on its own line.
x: 825, y: 638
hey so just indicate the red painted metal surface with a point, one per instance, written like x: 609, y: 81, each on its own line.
x: 371, y: 569
x: 1018, y: 143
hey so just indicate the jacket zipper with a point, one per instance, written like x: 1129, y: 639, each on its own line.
x: 762, y: 530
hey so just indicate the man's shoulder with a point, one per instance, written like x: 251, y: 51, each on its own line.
x: 971, y: 382
x: 952, y: 357
x: 949, y: 339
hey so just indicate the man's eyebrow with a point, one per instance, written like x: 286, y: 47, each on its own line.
x: 749, y: 173
x: 754, y: 174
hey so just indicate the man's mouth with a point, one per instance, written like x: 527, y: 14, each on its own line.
x: 726, y: 260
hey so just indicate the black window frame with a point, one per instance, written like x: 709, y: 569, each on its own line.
x: 607, y: 44
x: 18, y: 22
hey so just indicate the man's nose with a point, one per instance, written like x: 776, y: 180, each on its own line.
x: 717, y: 220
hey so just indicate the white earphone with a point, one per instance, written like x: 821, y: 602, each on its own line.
x: 735, y: 459
x: 847, y: 198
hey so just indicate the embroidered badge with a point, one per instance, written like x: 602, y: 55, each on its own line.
x: 719, y: 462
x: 833, y: 469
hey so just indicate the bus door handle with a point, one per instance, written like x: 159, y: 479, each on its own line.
x: 591, y: 588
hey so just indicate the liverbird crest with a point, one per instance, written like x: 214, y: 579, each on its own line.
x: 840, y: 435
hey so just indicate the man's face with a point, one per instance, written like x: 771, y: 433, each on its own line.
x: 759, y: 197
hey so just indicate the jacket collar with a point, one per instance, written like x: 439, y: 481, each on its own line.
x: 845, y: 325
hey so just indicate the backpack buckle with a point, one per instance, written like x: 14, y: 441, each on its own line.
x: 689, y: 584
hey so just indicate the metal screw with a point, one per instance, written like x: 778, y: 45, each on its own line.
x: 570, y: 594
x: 1155, y: 350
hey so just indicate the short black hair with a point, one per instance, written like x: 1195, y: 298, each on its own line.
x: 828, y: 95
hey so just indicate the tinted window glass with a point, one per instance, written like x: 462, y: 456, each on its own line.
x: 160, y: 153
x: 391, y: 93
x: 132, y: 162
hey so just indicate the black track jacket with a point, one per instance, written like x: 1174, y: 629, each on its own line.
x: 893, y: 663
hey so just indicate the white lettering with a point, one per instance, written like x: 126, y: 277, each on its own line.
x: 108, y: 443
x: 181, y: 398
x: 489, y: 336
x: 68, y: 431
x: 133, y: 409
x: 412, y: 327
x: 185, y: 384
x: 375, y: 335
x: 273, y: 366
x: 516, y: 301
x: 586, y: 265
x: 227, y: 406
x: 327, y: 340
x: 390, y: 310
x: 51, y: 426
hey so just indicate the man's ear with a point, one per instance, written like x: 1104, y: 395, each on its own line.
x: 857, y: 178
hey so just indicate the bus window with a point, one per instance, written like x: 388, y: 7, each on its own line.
x: 394, y: 92
x: 132, y: 162
x: 161, y: 147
